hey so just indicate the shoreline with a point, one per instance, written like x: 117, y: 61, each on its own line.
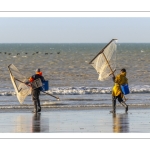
x: 53, y: 108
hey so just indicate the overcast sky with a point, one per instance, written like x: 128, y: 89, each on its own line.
x: 74, y: 30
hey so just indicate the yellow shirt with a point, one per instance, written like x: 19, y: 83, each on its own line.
x: 119, y: 80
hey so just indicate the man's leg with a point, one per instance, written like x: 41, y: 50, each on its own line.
x: 34, y: 99
x: 113, y: 104
x: 35, y: 107
x: 122, y: 102
x: 38, y: 101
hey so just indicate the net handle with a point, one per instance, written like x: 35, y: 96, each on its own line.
x: 112, y: 72
x: 102, y: 50
x: 41, y: 91
x: 12, y: 76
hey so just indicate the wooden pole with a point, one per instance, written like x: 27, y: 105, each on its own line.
x: 12, y: 76
x: 41, y: 91
x: 101, y: 50
x: 112, y: 72
x: 108, y: 65
x: 51, y: 95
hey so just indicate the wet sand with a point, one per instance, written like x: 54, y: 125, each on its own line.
x: 76, y: 120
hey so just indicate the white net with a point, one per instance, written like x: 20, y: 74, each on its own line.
x: 21, y: 89
x: 105, y: 62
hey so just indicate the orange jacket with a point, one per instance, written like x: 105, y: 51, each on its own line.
x: 31, y: 79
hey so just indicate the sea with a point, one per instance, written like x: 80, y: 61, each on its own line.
x: 71, y: 77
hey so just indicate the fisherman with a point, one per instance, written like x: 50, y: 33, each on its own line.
x: 36, y: 92
x: 119, y: 80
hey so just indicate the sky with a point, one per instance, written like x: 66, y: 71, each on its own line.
x: 74, y: 29
x: 50, y: 21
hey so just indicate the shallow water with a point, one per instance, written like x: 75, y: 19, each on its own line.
x: 74, y: 101
x: 68, y: 64
x: 67, y: 68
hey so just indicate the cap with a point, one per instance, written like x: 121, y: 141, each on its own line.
x: 123, y: 70
x: 38, y: 70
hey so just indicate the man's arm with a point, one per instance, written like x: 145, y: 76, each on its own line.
x: 113, y: 78
x: 42, y: 79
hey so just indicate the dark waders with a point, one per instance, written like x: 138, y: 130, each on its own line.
x: 120, y: 101
x: 36, y: 100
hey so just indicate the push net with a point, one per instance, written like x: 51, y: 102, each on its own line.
x: 105, y: 61
x: 18, y: 79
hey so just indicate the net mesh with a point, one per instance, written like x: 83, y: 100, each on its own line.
x: 102, y: 65
x: 36, y: 83
x: 21, y: 89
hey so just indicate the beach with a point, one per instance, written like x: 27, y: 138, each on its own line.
x: 84, y: 102
x: 76, y: 120
x: 87, y: 113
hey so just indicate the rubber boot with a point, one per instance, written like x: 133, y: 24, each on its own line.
x: 35, y: 107
x: 39, y: 109
x: 113, y: 105
x: 125, y: 105
x: 39, y: 106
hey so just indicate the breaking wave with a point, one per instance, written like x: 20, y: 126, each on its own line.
x: 83, y: 90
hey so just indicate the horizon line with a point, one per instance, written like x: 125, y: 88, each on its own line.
x: 71, y: 42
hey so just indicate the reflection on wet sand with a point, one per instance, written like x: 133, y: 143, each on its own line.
x: 21, y: 124
x: 120, y: 123
x: 30, y: 123
x: 36, y: 122
x: 39, y: 124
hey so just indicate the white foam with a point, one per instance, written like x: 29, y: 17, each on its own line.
x: 7, y: 93
x: 96, y: 90
x: 84, y: 90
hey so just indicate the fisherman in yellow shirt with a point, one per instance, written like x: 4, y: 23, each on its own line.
x: 119, y: 80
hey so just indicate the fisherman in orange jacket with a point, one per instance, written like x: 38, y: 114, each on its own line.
x: 36, y: 92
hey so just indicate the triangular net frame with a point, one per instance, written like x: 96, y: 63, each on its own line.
x: 21, y: 89
x: 105, y: 61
